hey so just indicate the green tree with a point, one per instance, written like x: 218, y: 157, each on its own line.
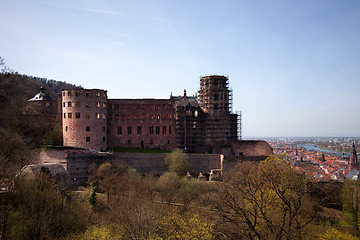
x: 334, y: 234
x: 177, y: 226
x: 351, y: 205
x: 54, y: 137
x: 92, y: 196
x: 40, y: 212
x: 168, y: 186
x: 108, y: 177
x: 189, y: 191
x: 177, y: 162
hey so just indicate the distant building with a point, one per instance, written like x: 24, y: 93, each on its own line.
x: 44, y: 102
x: 354, y: 172
x: 45, y: 110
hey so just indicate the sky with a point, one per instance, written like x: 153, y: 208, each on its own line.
x: 294, y: 66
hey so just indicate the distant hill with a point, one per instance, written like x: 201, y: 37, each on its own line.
x: 13, y: 85
x: 18, y: 117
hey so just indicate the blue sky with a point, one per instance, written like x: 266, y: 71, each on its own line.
x: 294, y: 66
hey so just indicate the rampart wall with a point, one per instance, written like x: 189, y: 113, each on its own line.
x: 78, y: 162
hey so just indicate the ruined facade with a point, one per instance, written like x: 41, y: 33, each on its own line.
x: 196, y: 124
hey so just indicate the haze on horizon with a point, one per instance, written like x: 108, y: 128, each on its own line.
x: 293, y: 66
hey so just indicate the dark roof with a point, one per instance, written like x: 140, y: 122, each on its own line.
x: 41, y: 96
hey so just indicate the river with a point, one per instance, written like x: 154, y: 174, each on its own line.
x: 313, y: 148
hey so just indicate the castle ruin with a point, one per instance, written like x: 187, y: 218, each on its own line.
x: 203, y: 123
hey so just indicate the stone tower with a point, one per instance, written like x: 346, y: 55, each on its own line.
x: 214, y: 94
x: 353, y: 159
x: 84, y: 115
x: 215, y: 100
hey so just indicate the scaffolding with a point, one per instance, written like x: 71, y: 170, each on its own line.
x: 189, y: 125
x: 214, y: 94
x: 239, y: 124
x: 231, y: 100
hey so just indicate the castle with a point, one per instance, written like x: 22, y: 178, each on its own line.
x: 203, y: 123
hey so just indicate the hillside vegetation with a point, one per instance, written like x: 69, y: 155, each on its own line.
x: 264, y: 200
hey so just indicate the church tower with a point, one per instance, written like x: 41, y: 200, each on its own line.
x: 353, y: 159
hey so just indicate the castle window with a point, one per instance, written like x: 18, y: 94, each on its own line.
x: 64, y: 115
x: 196, y: 114
x: 87, y: 115
x: 63, y: 104
x: 129, y: 128
x: 129, y: 141
x: 139, y: 130
x: 104, y: 95
x: 104, y: 129
x: 119, y: 130
x: 108, y: 131
x: 164, y: 130
x: 151, y: 141
x: 88, y: 93
x: 151, y: 130
x: 97, y: 115
x: 69, y: 93
x: 77, y: 93
x: 69, y: 104
x: 103, y: 139
x: 98, y: 104
x: 69, y: 115
x: 88, y: 128
x: 98, y: 94
x: 104, y: 116
x: 66, y: 128
x: 169, y: 129
x: 168, y: 141
x: 77, y: 115
x: 104, y: 105
x: 77, y: 104
x: 64, y: 94
x: 109, y: 106
x: 87, y: 139
x: 157, y: 129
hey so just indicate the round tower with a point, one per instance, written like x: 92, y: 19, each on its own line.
x: 84, y: 113
x: 214, y: 93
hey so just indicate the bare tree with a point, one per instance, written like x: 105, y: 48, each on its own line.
x: 266, y: 201
x: 4, y: 68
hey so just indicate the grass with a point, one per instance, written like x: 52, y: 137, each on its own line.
x: 136, y: 150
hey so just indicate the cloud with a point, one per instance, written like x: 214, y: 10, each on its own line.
x: 107, y: 12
